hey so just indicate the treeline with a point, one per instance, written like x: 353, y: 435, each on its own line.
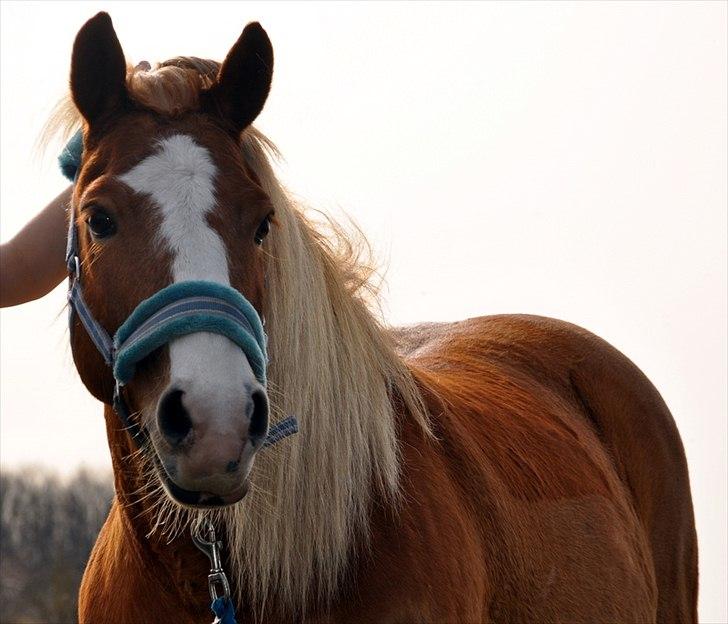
x: 48, y: 526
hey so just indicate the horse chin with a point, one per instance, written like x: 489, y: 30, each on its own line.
x: 202, y: 500
x: 193, y: 499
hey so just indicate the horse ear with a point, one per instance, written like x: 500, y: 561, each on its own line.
x: 244, y: 80
x: 98, y: 69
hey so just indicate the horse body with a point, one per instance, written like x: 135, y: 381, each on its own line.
x: 529, y: 506
x: 503, y: 469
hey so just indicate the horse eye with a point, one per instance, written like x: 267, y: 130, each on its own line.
x: 262, y: 230
x: 101, y: 224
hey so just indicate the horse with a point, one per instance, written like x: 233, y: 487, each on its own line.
x: 501, y: 469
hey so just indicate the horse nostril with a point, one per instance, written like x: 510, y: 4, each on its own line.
x: 174, y: 421
x: 258, y: 426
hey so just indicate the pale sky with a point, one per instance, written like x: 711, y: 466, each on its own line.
x: 566, y: 159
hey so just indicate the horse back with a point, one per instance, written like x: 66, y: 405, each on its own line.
x: 572, y: 464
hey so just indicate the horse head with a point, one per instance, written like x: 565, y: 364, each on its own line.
x: 164, y: 196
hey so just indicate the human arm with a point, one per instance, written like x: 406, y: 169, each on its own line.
x: 32, y: 263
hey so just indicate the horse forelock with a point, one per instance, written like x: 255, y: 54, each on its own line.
x: 332, y: 364
x: 173, y: 87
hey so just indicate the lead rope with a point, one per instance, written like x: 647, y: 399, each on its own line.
x: 203, y: 536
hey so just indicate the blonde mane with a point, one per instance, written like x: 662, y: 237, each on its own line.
x: 332, y: 364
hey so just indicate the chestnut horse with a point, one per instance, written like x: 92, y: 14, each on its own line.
x: 500, y: 469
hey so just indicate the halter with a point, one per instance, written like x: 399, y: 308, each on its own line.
x: 179, y: 309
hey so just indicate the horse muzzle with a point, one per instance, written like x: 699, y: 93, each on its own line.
x: 208, y: 433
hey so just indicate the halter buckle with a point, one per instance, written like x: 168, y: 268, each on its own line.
x: 74, y: 266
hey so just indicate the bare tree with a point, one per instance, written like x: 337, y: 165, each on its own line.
x: 47, y: 529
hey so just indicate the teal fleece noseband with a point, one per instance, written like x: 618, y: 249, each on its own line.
x: 179, y: 309
x: 185, y: 308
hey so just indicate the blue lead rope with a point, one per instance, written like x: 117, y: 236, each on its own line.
x: 224, y: 611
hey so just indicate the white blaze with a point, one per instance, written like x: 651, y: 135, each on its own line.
x: 180, y: 178
x: 211, y: 370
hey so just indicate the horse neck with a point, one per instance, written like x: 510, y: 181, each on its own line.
x: 129, y: 570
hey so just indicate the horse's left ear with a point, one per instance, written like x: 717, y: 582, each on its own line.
x: 244, y: 80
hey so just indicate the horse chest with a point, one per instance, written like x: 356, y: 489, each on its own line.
x: 126, y: 582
